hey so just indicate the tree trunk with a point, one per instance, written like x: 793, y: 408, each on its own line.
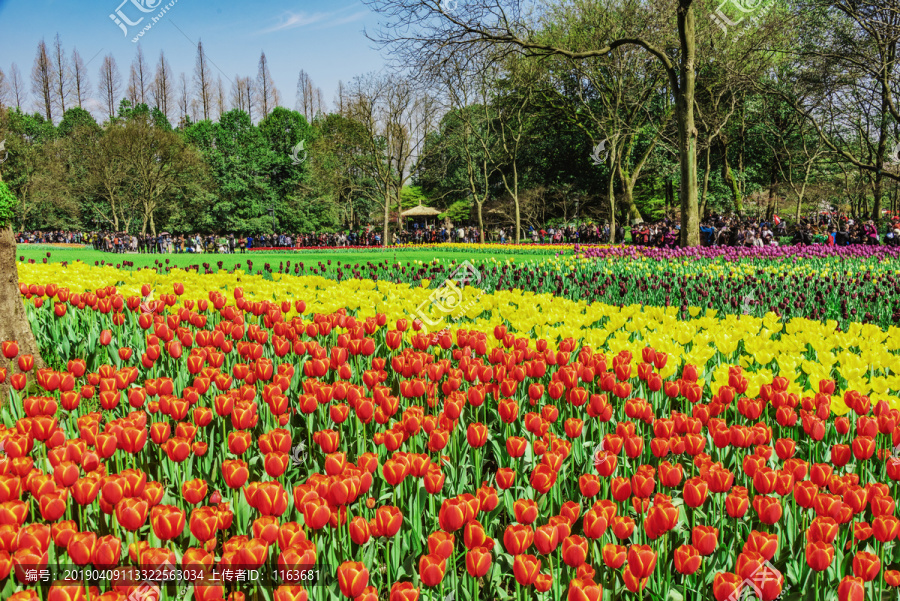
x: 773, y: 184
x: 13, y: 321
x: 877, y: 191
x: 687, y: 130
x: 610, y: 191
x: 670, y: 197
x: 631, y: 210
x: 480, y: 222
x: 705, y: 183
x: 387, y: 218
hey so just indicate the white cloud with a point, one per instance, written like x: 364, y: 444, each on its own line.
x: 321, y: 20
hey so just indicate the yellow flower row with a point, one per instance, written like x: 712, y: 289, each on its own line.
x: 804, y: 351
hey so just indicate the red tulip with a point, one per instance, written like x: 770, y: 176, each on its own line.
x: 641, y: 560
x: 819, y: 555
x: 517, y: 538
x: 10, y: 349
x: 440, y: 543
x: 431, y: 569
x: 353, y: 577
x: 132, y: 513
x: 167, y: 521
x: 768, y: 508
x: 478, y: 562
x: 403, y: 591
x: 546, y: 539
x: 726, y: 586
x: 574, y: 551
x: 526, y: 569
x: 705, y: 539
x: 687, y: 559
x: 695, y: 491
x: 359, y: 530
x: 81, y: 547
x: 866, y: 566
x: 851, y: 589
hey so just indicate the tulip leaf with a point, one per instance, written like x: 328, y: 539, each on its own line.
x: 8, y: 589
x: 791, y: 530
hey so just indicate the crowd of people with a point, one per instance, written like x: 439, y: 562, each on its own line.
x: 164, y: 242
x: 716, y: 230
x: 732, y: 230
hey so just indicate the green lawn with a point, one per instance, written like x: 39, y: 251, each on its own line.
x: 38, y: 253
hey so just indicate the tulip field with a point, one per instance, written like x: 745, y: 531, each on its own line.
x: 282, y: 435
x: 844, y: 284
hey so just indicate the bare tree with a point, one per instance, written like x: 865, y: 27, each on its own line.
x: 321, y: 105
x: 309, y: 97
x: 139, y: 81
x: 397, y: 123
x: 195, y: 110
x: 340, y: 97
x: 42, y: 81
x: 161, y: 88
x: 80, y: 81
x: 62, y: 91
x: 243, y: 93
x: 4, y: 90
x: 220, y: 97
x: 110, y: 85
x: 17, y: 85
x: 184, y: 97
x: 203, y: 81
x: 238, y: 93
x: 469, y: 93
x: 267, y: 93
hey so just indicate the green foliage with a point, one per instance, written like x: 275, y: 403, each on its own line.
x: 457, y: 212
x: 7, y: 205
x: 411, y: 196
x: 77, y: 118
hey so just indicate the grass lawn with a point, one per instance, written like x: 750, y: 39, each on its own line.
x: 38, y: 253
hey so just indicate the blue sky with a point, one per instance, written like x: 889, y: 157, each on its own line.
x: 323, y: 38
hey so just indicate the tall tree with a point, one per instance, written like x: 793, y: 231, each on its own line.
x: 340, y: 96
x: 468, y: 132
x: 62, y: 71
x: 203, y: 81
x: 309, y: 97
x: 139, y: 80
x: 220, y: 97
x: 183, y: 98
x: 17, y: 85
x: 161, y: 89
x: 110, y: 85
x: 425, y: 32
x: 267, y: 93
x: 243, y: 94
x: 396, y: 122
x: 80, y: 81
x: 847, y: 81
x: 42, y: 81
x: 514, y: 98
x: 4, y: 90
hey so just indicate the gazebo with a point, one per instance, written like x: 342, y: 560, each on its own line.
x: 420, y: 211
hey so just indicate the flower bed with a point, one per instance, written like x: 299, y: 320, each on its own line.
x: 305, y: 429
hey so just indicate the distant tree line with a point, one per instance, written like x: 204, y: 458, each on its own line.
x: 569, y: 112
